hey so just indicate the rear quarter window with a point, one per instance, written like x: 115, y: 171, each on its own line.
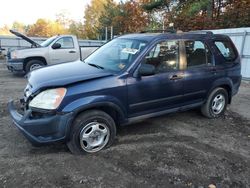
x: 226, y: 49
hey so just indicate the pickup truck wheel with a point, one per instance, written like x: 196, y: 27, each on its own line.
x: 216, y: 103
x: 91, y: 132
x: 33, y: 64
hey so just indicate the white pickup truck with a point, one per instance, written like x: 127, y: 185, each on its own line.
x: 57, y: 49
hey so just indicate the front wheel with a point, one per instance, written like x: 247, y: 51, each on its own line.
x: 33, y: 64
x: 216, y: 103
x: 91, y: 132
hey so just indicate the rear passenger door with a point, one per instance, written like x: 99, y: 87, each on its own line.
x: 200, y: 71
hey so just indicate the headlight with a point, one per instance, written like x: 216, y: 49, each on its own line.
x: 13, y: 54
x: 27, y: 93
x: 49, y: 99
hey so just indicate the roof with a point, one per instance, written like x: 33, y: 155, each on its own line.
x: 142, y: 36
x: 198, y: 35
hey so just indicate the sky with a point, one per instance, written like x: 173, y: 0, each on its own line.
x: 28, y: 11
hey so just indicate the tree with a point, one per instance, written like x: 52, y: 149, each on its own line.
x: 159, y: 11
x: 4, y: 30
x: 134, y: 18
x: 236, y: 14
x: 201, y: 14
x: 18, y: 26
x: 125, y: 17
x: 93, y: 13
x: 106, y: 19
x: 213, y: 14
x: 194, y: 15
x: 45, y: 28
x: 76, y: 28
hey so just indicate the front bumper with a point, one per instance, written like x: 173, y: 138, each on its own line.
x: 15, y: 65
x: 43, y: 130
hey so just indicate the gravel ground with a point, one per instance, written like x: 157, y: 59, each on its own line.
x: 176, y: 150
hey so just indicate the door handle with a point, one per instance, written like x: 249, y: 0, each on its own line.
x: 176, y: 77
x: 213, y: 70
x: 72, y: 51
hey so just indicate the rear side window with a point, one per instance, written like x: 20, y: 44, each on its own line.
x: 197, y: 53
x: 226, y: 49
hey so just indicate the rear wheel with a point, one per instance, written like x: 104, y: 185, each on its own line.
x: 33, y: 64
x: 216, y: 103
x: 91, y: 132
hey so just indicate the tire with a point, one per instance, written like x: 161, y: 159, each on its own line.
x: 33, y: 64
x: 91, y: 132
x: 216, y: 103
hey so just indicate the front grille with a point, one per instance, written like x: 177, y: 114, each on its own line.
x: 40, y: 115
x: 19, y: 105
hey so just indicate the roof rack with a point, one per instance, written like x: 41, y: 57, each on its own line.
x: 201, y: 32
x: 159, y: 31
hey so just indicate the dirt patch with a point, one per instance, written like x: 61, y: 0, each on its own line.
x: 176, y: 150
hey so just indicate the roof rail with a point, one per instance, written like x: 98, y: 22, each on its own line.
x: 201, y: 32
x: 159, y: 31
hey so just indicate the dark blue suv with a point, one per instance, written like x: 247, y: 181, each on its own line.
x: 130, y: 78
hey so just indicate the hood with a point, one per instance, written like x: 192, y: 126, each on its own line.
x: 24, y: 37
x: 63, y: 74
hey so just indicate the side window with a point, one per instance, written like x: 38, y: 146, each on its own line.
x: 164, y: 56
x: 226, y: 49
x: 66, y: 42
x: 197, y: 53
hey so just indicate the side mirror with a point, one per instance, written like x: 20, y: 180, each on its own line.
x: 146, y: 70
x: 56, y: 46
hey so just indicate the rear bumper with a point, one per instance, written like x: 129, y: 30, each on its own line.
x: 45, y: 130
x: 236, y: 86
x: 15, y: 65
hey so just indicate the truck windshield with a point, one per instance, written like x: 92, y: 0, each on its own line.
x: 48, y: 41
x: 116, y: 55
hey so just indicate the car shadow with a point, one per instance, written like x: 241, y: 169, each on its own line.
x: 143, y: 128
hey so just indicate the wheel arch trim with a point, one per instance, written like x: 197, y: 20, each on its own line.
x: 225, y: 83
x: 83, y: 104
x: 41, y: 58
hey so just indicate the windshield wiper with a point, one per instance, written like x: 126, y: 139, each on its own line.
x: 95, y: 65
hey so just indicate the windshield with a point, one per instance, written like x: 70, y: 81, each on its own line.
x: 48, y: 41
x: 116, y: 55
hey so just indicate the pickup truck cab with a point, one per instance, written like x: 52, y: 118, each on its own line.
x: 131, y: 78
x: 57, y: 49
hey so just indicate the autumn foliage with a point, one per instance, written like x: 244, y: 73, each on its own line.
x: 130, y: 16
x: 45, y: 28
x: 202, y: 14
x: 137, y: 15
x: 124, y: 17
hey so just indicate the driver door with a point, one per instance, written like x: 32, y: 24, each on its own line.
x: 162, y: 90
x: 66, y: 53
